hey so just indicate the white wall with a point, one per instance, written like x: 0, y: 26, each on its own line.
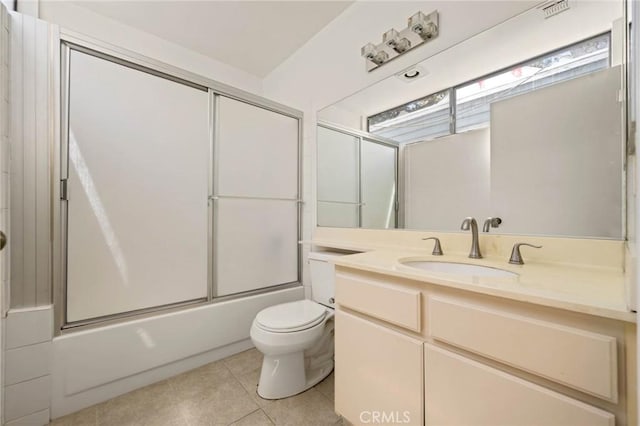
x: 26, y: 384
x: 33, y: 133
x: 432, y: 204
x: 27, y: 381
x: 339, y: 114
x: 556, y: 159
x: 76, y: 18
x: 329, y: 67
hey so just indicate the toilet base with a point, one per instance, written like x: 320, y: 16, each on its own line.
x: 289, y: 374
x: 283, y: 376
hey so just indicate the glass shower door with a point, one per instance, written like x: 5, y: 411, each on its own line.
x: 338, y: 179
x: 255, y: 198
x: 136, y: 199
x: 378, y: 174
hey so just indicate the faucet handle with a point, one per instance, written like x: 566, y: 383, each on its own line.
x: 516, y: 257
x: 491, y: 222
x: 437, y: 249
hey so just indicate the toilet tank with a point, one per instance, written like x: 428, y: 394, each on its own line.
x: 323, y: 276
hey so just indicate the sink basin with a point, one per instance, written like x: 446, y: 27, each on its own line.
x: 459, y: 268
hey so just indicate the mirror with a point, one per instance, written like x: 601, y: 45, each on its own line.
x: 523, y: 121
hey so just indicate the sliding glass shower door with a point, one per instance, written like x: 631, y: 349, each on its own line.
x: 171, y: 192
x: 338, y: 179
x: 135, y: 187
x: 357, y: 179
x: 255, y: 197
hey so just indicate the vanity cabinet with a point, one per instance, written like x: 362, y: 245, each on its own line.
x: 454, y: 357
x: 550, y: 350
x: 463, y: 392
x: 378, y: 373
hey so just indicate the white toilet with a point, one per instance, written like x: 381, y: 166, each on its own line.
x: 296, y: 338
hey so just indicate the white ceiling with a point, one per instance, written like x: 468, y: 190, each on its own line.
x: 255, y: 36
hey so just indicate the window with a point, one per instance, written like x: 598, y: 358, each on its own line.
x: 435, y: 115
x: 424, y: 118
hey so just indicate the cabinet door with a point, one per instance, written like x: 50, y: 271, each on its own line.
x: 378, y: 373
x: 574, y: 357
x: 459, y: 391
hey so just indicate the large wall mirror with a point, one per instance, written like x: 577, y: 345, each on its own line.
x: 524, y: 121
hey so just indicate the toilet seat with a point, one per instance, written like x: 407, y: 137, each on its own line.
x: 291, y: 317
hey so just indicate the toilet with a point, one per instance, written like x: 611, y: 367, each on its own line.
x: 296, y: 338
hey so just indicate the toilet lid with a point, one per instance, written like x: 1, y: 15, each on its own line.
x: 293, y: 316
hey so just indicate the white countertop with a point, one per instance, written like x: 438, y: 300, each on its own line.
x: 596, y: 291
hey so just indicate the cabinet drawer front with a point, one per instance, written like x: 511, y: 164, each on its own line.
x: 378, y: 373
x: 459, y: 391
x: 576, y: 358
x: 393, y: 304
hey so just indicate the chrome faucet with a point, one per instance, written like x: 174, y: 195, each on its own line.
x: 437, y: 248
x: 470, y: 222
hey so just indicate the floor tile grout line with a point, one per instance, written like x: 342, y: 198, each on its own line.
x: 225, y: 360
x: 246, y: 415
x: 331, y: 402
x: 230, y: 371
x: 273, y: 422
x: 237, y: 379
x: 271, y: 419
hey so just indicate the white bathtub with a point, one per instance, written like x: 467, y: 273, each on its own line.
x: 94, y: 365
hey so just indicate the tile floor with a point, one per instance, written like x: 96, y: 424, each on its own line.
x: 220, y: 393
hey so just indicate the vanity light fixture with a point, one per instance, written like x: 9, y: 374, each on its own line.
x: 373, y: 54
x: 392, y: 39
x: 421, y: 28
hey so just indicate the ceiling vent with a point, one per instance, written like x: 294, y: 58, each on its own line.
x: 553, y: 7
